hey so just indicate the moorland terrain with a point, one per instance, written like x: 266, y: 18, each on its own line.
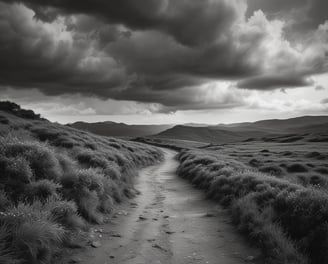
x: 275, y: 186
x: 269, y: 177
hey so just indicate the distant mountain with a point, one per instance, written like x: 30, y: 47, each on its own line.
x: 264, y: 129
x: 195, y: 125
x: 120, y: 129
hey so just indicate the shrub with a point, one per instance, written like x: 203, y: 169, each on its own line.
x: 272, y: 169
x: 41, y: 190
x: 296, y: 167
x: 15, y: 173
x: 254, y: 163
x: 112, y: 172
x: 6, y: 254
x: 88, y: 203
x: 85, y: 187
x: 4, y: 201
x: 112, y: 189
x: 92, y: 159
x: 40, y: 157
x: 67, y: 164
x: 304, y: 214
x: 283, y: 218
x: 322, y: 170
x: 32, y: 234
x: 65, y: 213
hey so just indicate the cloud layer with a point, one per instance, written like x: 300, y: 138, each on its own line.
x: 163, y: 52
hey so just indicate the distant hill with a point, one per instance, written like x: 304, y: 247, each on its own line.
x: 202, y: 134
x: 113, y: 129
x: 280, y: 126
x: 286, y: 130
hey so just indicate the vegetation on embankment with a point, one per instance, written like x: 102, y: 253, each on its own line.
x: 288, y: 220
x: 55, y: 181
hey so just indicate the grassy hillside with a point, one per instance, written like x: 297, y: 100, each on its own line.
x: 291, y: 125
x: 277, y: 194
x: 307, y: 128
x: 56, y: 180
x: 113, y: 129
x: 202, y: 134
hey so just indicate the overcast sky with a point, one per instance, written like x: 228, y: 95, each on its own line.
x: 165, y: 61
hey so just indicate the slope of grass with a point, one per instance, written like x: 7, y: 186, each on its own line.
x: 294, y: 162
x: 55, y: 181
x: 288, y: 220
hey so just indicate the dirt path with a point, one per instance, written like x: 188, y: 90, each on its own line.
x: 169, y: 222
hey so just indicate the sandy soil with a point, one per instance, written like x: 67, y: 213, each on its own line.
x: 169, y: 222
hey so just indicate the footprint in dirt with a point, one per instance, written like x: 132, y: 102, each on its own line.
x: 133, y: 205
x: 159, y: 247
x: 142, y: 218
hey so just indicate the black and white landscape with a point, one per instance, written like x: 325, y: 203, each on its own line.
x: 163, y: 131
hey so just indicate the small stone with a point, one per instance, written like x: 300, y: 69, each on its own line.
x: 123, y: 212
x: 169, y: 232
x: 111, y: 256
x: 142, y: 218
x: 100, y: 230
x: 96, y: 244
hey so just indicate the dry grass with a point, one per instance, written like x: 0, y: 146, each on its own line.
x: 288, y: 220
x: 54, y: 179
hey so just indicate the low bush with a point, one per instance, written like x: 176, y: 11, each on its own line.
x: 40, y: 190
x: 282, y: 217
x: 92, y: 159
x: 296, y: 167
x: 272, y: 169
x: 54, y: 179
x: 31, y: 233
x: 65, y: 213
x: 15, y: 173
x: 40, y: 157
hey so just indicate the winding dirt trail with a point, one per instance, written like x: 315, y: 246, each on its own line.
x: 170, y: 222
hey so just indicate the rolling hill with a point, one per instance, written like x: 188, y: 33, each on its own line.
x: 205, y: 134
x: 280, y: 126
x: 293, y: 129
x: 113, y: 129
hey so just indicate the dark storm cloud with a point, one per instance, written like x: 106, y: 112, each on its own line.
x: 272, y: 82
x: 34, y: 55
x: 156, y: 55
x: 189, y: 22
x: 302, y: 14
x: 125, y: 63
x: 151, y: 51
